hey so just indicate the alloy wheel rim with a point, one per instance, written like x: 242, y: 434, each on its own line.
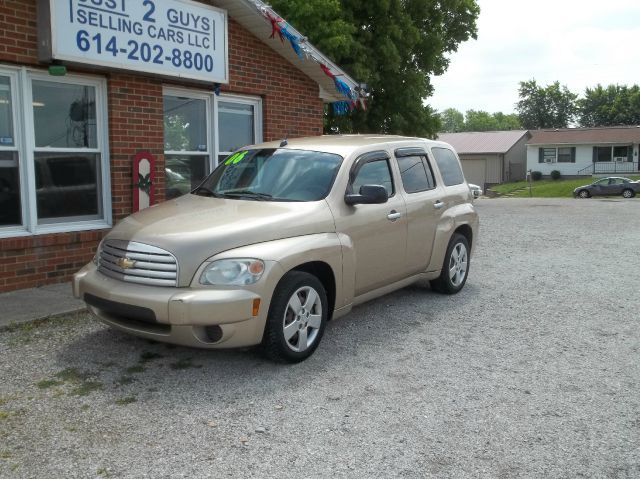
x: 626, y: 194
x: 458, y: 263
x: 302, y: 319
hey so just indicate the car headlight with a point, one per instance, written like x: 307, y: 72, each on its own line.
x: 233, y: 272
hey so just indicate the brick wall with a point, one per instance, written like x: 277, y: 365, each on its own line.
x: 291, y: 107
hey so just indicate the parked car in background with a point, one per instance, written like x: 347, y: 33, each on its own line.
x: 283, y: 237
x: 476, y: 191
x: 609, y: 186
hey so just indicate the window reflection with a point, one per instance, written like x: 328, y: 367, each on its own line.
x: 64, y: 115
x: 10, y: 208
x: 236, y: 125
x: 67, y: 185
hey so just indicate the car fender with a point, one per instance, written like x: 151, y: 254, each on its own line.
x: 450, y: 221
x: 290, y: 253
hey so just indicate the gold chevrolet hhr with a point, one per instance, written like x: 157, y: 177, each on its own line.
x: 283, y: 237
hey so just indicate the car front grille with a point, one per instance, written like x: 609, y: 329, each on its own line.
x: 138, y: 263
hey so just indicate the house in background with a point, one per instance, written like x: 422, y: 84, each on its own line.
x: 584, y: 151
x: 490, y: 157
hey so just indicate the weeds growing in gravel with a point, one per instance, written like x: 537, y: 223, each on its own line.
x: 135, y: 369
x: 126, y: 400
x: 86, y: 388
x: 48, y: 383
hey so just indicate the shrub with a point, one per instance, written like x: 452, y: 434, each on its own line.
x: 536, y: 175
x: 555, y: 175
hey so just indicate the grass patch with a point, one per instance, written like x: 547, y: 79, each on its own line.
x: 5, y: 455
x: 126, y: 400
x: 135, y: 369
x: 86, y: 388
x: 5, y: 399
x: 48, y: 383
x: 71, y: 375
x: 4, y: 415
x: 545, y: 188
x: 184, y: 364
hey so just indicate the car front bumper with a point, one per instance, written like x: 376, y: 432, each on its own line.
x: 197, y: 317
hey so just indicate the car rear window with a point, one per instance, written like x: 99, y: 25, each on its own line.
x: 414, y: 176
x: 449, y: 166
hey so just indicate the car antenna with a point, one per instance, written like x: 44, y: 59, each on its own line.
x: 284, y: 142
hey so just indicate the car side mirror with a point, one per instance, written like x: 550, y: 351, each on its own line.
x: 369, y: 195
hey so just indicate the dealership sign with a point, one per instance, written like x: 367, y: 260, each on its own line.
x: 175, y: 38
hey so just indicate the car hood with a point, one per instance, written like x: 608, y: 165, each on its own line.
x: 194, y: 228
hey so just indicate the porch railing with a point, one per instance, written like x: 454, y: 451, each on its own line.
x: 628, y: 167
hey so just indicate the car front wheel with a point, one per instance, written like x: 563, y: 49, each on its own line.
x: 584, y: 194
x: 628, y: 193
x: 297, y: 318
x: 455, y: 268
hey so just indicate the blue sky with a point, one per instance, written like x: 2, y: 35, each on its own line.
x: 578, y: 42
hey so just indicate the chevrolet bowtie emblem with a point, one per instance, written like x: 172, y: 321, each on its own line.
x: 126, y: 263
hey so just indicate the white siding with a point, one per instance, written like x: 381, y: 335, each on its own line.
x: 584, y: 158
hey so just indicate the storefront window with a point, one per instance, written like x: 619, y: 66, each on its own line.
x: 10, y: 202
x: 6, y: 113
x: 190, y: 134
x: 64, y: 115
x: 67, y: 185
x: 53, y: 165
x: 186, y: 142
x: 65, y: 126
x: 236, y: 126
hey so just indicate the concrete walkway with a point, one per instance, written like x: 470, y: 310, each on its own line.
x: 37, y: 303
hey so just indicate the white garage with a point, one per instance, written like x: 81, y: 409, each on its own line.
x: 490, y: 157
x: 475, y: 171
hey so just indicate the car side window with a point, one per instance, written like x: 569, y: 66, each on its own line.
x: 376, y: 172
x: 414, y: 174
x: 449, y: 166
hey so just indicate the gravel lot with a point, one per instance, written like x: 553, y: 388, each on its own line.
x: 531, y: 371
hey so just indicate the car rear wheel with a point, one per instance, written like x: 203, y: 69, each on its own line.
x: 628, y: 193
x: 297, y: 318
x: 455, y: 268
x: 584, y: 194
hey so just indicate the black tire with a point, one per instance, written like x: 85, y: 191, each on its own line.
x: 627, y: 193
x: 584, y: 194
x: 274, y: 343
x: 444, y: 283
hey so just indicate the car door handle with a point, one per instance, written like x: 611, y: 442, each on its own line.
x: 393, y: 215
x: 438, y: 204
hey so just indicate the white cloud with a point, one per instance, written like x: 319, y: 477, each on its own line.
x: 578, y: 42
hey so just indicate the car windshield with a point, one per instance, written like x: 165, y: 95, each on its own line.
x: 272, y: 175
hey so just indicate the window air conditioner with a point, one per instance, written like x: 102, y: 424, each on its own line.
x: 548, y: 160
x: 620, y: 158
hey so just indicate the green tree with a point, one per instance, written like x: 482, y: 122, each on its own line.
x: 507, y: 122
x: 451, y: 121
x: 610, y: 106
x: 393, y: 46
x: 553, y: 106
x: 478, y: 120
